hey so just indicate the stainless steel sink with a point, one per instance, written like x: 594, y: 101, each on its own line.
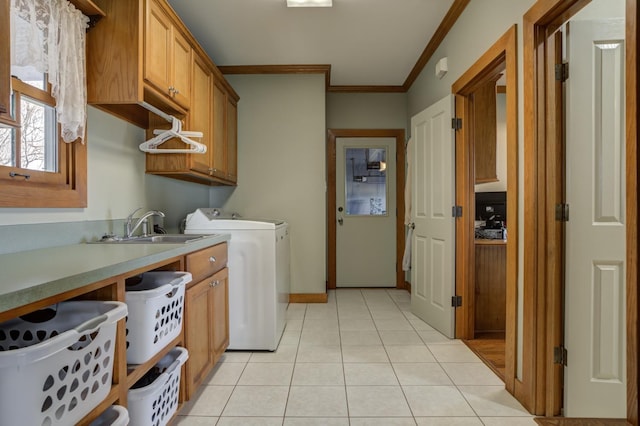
x: 155, y: 239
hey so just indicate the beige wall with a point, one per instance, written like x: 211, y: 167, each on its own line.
x: 366, y: 110
x: 117, y: 183
x: 281, y: 166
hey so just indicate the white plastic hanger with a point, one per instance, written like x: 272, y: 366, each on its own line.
x: 151, y: 145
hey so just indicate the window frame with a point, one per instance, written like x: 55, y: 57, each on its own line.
x: 64, y: 188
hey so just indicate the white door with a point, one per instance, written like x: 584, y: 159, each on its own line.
x: 595, y: 233
x: 366, y: 202
x: 433, y: 195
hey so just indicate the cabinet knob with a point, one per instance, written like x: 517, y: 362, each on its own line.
x: 171, y: 89
x: 212, y: 259
x: 214, y: 283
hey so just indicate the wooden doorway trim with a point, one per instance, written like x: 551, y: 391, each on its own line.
x: 538, y: 388
x: 500, y: 57
x: 399, y: 136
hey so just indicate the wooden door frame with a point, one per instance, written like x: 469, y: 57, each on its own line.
x: 399, y: 136
x: 500, y: 57
x: 537, y: 389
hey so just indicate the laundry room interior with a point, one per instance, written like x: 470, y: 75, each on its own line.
x: 357, y: 214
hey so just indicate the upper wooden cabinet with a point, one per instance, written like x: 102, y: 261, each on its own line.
x: 200, y: 115
x: 167, y: 55
x: 219, y: 163
x: 232, y: 140
x: 225, y: 145
x: 142, y: 52
x: 210, y: 114
x: 485, y: 132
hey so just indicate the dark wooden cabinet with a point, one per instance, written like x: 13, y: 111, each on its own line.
x: 490, y: 285
x: 485, y: 132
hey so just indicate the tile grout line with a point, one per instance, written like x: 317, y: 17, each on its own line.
x: 295, y: 362
x: 344, y: 376
x: 394, y: 370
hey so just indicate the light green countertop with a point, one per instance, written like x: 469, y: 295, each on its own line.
x: 30, y: 276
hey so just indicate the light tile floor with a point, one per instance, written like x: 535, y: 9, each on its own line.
x: 360, y: 359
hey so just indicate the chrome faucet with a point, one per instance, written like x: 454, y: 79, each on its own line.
x: 130, y: 227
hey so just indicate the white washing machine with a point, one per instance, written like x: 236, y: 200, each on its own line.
x: 259, y: 278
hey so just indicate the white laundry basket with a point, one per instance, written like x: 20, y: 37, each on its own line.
x: 56, y: 364
x: 153, y: 400
x: 156, y: 301
x: 116, y: 415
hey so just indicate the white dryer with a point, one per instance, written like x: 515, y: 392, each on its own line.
x: 259, y: 278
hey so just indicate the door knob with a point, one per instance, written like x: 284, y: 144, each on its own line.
x: 340, y: 221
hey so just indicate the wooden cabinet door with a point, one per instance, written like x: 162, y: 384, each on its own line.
x: 200, y: 113
x: 197, y: 334
x: 219, y: 154
x: 158, y: 39
x: 181, y: 63
x: 490, y: 287
x: 232, y: 141
x: 485, y: 133
x: 220, y: 312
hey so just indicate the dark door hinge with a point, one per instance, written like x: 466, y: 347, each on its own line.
x: 560, y: 355
x: 562, y: 72
x: 456, y: 211
x: 456, y: 301
x: 562, y: 212
x: 456, y: 123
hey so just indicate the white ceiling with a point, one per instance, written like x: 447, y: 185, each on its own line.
x: 366, y: 42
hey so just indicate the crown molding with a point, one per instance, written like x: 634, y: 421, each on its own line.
x: 443, y: 29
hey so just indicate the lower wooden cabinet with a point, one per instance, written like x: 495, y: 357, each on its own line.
x: 220, y: 313
x: 206, y: 327
x: 490, y: 286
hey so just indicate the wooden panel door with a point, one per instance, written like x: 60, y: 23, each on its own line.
x: 219, y: 154
x: 232, y: 140
x: 220, y: 312
x: 181, y: 59
x: 200, y: 114
x: 157, y: 47
x: 197, y: 334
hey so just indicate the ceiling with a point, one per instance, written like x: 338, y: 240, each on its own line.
x: 366, y: 42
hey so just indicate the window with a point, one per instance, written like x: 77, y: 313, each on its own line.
x: 33, y: 145
x: 37, y: 168
x: 366, y: 182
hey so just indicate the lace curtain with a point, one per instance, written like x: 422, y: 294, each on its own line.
x: 49, y: 35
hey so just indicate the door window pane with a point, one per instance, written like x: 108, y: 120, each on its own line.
x: 366, y: 181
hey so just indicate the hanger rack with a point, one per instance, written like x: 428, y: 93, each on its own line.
x: 151, y: 146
